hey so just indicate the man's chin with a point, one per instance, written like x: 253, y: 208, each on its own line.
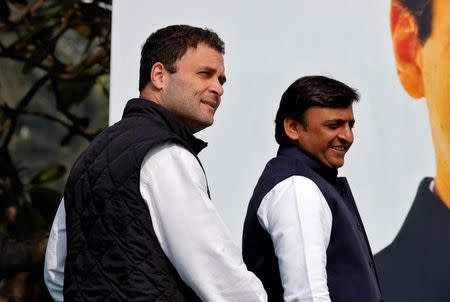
x: 337, y: 164
x: 200, y: 125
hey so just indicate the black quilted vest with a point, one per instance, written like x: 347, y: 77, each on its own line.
x: 113, y: 253
x: 350, y: 268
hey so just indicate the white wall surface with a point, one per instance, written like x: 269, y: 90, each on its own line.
x: 268, y: 45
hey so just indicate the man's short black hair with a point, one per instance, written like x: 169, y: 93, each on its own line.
x: 422, y: 12
x: 307, y: 92
x: 169, y: 44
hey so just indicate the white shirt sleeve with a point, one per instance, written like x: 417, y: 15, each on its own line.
x: 187, y: 226
x: 189, y: 229
x: 55, y: 255
x: 298, y: 219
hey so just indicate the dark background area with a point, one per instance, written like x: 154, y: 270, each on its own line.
x: 54, y: 89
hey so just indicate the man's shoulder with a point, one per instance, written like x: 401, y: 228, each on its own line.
x: 278, y: 173
x: 169, y: 149
x: 299, y: 184
x: 169, y: 153
x: 280, y: 168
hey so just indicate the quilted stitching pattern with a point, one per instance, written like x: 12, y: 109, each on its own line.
x: 113, y: 252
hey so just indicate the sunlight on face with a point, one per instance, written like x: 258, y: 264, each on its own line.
x: 193, y: 93
x: 327, y: 134
x: 436, y: 76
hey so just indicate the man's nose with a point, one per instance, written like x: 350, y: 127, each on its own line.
x: 217, y: 87
x: 346, y: 133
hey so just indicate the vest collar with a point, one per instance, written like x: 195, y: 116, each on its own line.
x: 293, y: 151
x: 140, y: 106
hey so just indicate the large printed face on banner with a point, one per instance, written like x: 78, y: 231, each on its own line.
x: 415, y: 266
x: 421, y: 39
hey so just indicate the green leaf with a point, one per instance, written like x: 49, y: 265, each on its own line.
x: 50, y: 174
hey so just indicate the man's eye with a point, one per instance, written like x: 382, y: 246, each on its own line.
x: 333, y: 126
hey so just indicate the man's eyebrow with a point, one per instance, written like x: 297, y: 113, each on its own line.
x: 339, y: 120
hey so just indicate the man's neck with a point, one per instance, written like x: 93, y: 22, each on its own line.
x: 149, y: 94
x: 442, y: 182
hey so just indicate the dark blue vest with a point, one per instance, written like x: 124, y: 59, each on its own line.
x: 351, y: 275
x: 112, y: 251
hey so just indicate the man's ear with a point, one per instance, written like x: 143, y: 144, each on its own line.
x: 407, y: 49
x: 158, y: 75
x: 292, y: 128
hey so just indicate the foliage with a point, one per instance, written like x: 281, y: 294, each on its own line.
x: 54, y: 78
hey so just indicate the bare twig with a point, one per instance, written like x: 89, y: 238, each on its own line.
x: 23, y: 103
x: 87, y: 133
x: 48, y: 117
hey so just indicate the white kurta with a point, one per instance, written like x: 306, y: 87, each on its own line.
x: 298, y: 219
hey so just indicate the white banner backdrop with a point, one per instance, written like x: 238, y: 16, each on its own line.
x: 269, y: 45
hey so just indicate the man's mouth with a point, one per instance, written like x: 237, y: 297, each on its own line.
x: 212, y: 104
x: 341, y: 148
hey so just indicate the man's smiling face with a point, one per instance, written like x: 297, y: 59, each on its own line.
x: 326, y: 134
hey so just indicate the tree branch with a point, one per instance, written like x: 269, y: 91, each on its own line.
x: 48, y: 117
x: 56, y: 73
x: 23, y: 103
x: 87, y: 133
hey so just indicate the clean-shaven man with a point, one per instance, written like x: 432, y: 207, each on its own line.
x: 303, y: 236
